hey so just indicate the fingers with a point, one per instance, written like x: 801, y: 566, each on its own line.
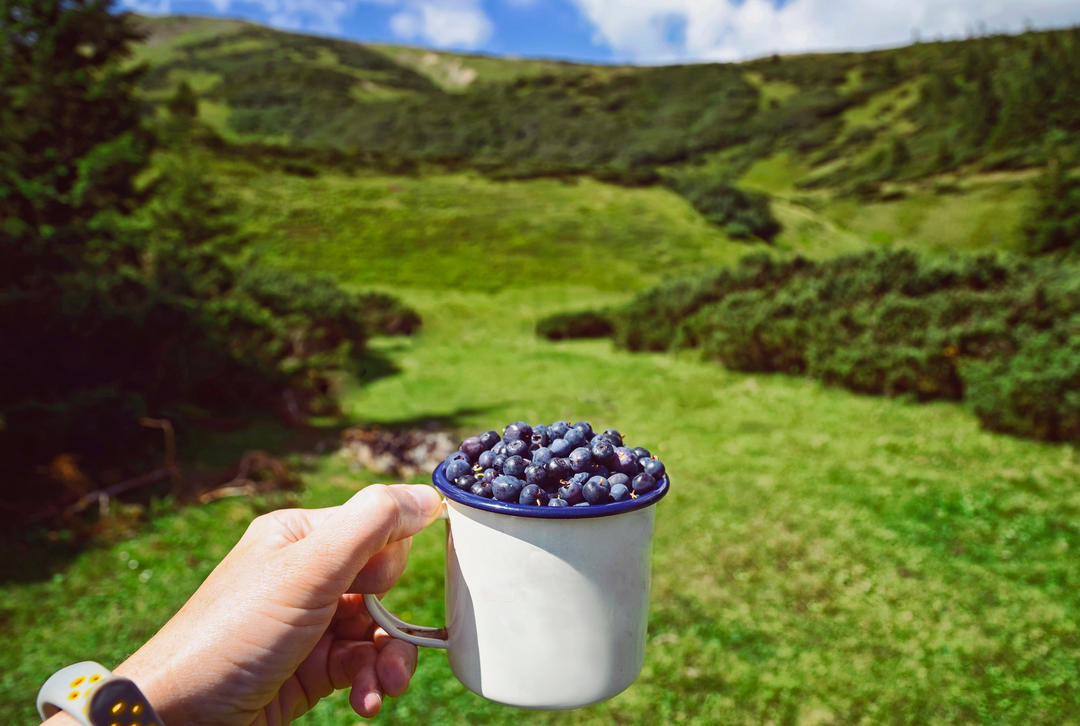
x: 341, y: 545
x: 375, y: 667
x: 395, y: 665
x: 352, y: 663
x: 383, y: 570
x: 366, y: 696
x: 352, y: 620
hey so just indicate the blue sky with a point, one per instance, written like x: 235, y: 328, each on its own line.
x: 638, y: 31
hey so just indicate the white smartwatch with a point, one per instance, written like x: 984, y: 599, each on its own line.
x: 93, y: 696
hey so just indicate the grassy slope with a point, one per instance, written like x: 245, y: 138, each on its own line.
x: 464, y: 232
x: 978, y: 211
x: 823, y: 557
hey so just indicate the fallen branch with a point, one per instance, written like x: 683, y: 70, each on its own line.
x: 102, y: 496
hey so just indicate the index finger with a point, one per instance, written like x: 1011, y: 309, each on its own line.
x: 345, y: 540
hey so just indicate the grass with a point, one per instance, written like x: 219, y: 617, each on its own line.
x: 458, y: 71
x: 437, y: 231
x: 822, y: 558
x: 973, y: 218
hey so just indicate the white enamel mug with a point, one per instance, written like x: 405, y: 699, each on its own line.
x: 546, y: 607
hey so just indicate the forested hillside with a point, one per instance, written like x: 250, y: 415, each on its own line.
x: 856, y: 117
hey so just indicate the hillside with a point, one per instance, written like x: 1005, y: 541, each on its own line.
x: 933, y: 145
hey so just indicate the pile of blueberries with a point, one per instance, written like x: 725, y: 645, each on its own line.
x: 555, y: 466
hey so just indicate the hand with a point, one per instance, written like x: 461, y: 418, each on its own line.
x: 280, y: 622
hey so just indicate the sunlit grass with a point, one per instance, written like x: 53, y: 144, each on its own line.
x: 822, y: 558
x: 464, y: 232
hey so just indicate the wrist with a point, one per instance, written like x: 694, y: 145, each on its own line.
x: 152, y: 682
x: 60, y: 719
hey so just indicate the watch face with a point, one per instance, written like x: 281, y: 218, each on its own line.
x: 120, y: 702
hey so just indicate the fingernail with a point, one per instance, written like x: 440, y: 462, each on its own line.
x: 372, y: 703
x: 427, y: 499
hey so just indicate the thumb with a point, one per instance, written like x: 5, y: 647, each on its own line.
x: 374, y: 517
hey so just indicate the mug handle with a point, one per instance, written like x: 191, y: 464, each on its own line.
x: 395, y: 626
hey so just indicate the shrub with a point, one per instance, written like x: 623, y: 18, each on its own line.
x: 1053, y: 222
x: 1036, y: 391
x: 742, y: 214
x: 1004, y: 332
x: 386, y: 315
x: 584, y: 324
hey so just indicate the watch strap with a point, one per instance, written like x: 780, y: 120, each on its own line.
x: 93, y: 696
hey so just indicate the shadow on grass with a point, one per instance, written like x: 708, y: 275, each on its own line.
x: 209, y: 455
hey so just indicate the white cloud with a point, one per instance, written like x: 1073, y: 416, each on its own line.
x: 443, y: 23
x: 657, y: 31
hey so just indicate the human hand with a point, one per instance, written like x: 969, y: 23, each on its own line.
x: 280, y: 622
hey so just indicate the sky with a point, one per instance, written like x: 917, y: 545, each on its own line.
x: 636, y: 31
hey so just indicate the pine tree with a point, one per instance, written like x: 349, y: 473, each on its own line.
x: 72, y: 140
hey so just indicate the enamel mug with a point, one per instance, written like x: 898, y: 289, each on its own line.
x: 546, y: 607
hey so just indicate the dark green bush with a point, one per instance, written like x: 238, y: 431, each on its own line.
x: 742, y: 214
x: 1001, y: 332
x: 384, y: 314
x: 1036, y: 391
x: 566, y: 326
x: 1053, y: 222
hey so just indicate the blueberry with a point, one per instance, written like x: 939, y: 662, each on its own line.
x: 585, y: 429
x: 542, y: 456
x: 643, y: 483
x: 571, y: 492
x: 574, y: 437
x: 507, y: 488
x: 517, y: 431
x: 554, y: 465
x: 625, y: 461
x: 596, y: 490
x: 560, y: 447
x: 482, y: 491
x: 602, y: 451
x: 489, y: 439
x: 514, y: 466
x: 559, y: 428
x: 558, y: 469
x: 535, y: 474
x: 457, y: 468
x: 472, y: 447
x: 580, y: 459
x: 532, y: 494
x: 517, y: 447
x: 652, y: 467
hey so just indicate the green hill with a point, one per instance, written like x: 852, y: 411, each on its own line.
x: 932, y: 145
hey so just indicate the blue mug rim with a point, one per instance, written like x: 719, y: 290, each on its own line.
x: 448, y: 490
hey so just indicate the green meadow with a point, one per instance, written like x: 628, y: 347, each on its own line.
x: 822, y: 558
